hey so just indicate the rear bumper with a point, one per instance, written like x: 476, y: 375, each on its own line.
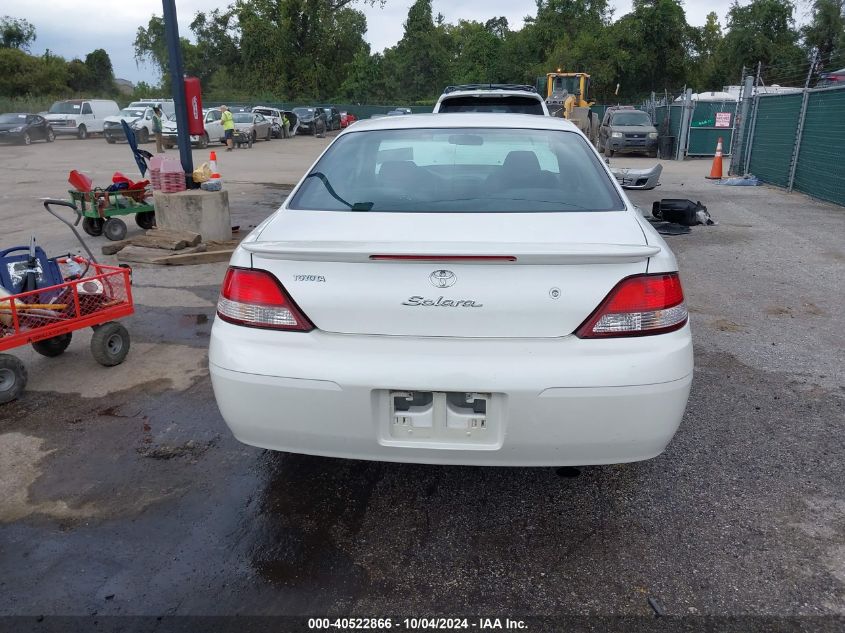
x: 560, y: 401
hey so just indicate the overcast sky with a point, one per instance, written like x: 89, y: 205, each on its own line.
x: 72, y: 29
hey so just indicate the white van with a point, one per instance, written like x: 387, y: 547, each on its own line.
x: 139, y: 116
x: 80, y: 116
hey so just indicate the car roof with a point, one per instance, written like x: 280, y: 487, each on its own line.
x: 487, y: 91
x: 466, y: 120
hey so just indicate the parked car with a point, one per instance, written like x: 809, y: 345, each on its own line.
x: 213, y: 130
x: 347, y: 119
x: 512, y: 98
x: 274, y: 115
x: 20, y: 127
x: 253, y: 124
x: 80, y: 117
x: 832, y: 78
x: 625, y: 129
x: 332, y: 117
x: 448, y: 289
x: 139, y: 118
x: 307, y: 118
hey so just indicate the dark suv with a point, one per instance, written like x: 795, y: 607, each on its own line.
x: 625, y: 129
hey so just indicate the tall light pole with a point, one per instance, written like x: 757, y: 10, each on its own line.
x: 177, y: 79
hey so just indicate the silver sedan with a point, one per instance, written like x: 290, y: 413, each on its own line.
x: 257, y: 125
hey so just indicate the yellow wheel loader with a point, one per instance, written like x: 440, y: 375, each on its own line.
x: 568, y: 96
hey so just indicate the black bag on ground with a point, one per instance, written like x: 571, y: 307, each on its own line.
x: 679, y: 211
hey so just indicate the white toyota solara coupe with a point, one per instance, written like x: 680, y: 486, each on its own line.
x: 455, y: 289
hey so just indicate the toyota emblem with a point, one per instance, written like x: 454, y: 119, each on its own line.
x: 442, y: 278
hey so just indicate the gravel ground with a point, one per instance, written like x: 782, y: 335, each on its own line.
x: 123, y: 493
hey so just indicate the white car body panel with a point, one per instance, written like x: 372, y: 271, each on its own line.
x: 552, y: 398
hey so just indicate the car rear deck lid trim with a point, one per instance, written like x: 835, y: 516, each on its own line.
x: 559, y: 253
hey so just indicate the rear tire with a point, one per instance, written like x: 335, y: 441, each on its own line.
x: 110, y: 140
x: 52, y: 347
x: 609, y: 152
x: 93, y: 226
x: 26, y: 139
x: 110, y: 344
x: 146, y: 220
x: 12, y: 378
x: 82, y: 132
x: 51, y: 135
x: 143, y: 135
x: 269, y: 133
x: 115, y: 229
x: 203, y: 142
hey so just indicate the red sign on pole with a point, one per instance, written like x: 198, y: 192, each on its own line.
x: 193, y: 104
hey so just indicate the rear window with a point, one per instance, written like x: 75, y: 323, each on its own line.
x: 491, y: 103
x: 458, y: 171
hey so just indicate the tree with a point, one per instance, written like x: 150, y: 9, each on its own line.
x: 99, y: 65
x: 79, y: 76
x: 16, y: 33
x: 422, y: 54
x: 763, y: 31
x: 825, y: 34
x: 475, y: 52
x: 705, y: 72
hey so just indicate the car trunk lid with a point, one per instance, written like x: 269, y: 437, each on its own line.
x: 467, y: 275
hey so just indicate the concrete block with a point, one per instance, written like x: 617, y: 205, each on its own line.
x: 204, y: 212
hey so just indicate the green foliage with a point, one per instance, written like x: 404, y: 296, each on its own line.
x: 16, y: 33
x: 99, y: 66
x: 762, y: 31
x: 314, y: 50
x: 825, y: 34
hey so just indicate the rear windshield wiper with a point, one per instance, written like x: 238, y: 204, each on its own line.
x: 357, y: 206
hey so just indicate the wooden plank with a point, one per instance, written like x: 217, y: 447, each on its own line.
x: 143, y: 255
x: 114, y: 247
x: 208, y: 257
x: 213, y: 245
x: 190, y: 238
x: 164, y: 242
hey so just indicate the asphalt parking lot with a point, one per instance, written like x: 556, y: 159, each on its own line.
x: 123, y: 493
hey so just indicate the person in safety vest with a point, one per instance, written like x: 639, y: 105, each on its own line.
x: 228, y: 122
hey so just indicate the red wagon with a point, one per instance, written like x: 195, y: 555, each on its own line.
x: 91, y: 295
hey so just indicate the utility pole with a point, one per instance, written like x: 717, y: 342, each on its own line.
x: 177, y: 79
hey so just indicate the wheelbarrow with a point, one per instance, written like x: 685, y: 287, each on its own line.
x: 89, y: 295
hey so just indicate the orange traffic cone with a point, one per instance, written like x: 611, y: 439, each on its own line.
x: 212, y: 161
x: 716, y: 169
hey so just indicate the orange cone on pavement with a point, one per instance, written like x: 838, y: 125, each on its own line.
x: 716, y: 169
x: 212, y: 161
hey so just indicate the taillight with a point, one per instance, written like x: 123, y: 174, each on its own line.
x: 638, y: 306
x: 255, y: 298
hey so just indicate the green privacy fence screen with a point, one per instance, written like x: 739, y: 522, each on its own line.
x: 775, y: 128
x: 820, y: 170
x: 796, y: 141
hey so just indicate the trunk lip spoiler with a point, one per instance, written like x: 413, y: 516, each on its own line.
x: 456, y: 252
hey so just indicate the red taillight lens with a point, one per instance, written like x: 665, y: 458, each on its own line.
x: 255, y: 298
x: 638, y: 306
